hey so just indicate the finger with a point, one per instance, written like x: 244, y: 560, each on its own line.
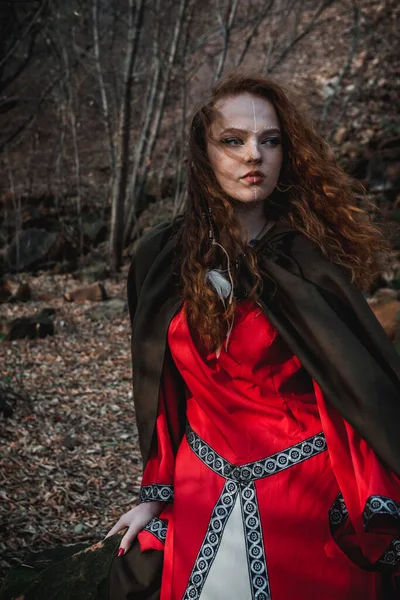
x: 128, y: 538
x: 117, y: 527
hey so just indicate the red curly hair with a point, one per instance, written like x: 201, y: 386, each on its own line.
x: 320, y: 200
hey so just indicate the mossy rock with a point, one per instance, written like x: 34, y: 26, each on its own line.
x: 77, y: 572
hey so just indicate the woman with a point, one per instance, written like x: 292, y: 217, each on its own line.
x: 267, y: 394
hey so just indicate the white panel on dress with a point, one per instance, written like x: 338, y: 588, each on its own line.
x: 228, y: 578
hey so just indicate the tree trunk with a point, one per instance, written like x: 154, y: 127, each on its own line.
x: 145, y: 133
x: 103, y: 94
x: 122, y: 163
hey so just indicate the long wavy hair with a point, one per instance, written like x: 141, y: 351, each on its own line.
x: 319, y: 199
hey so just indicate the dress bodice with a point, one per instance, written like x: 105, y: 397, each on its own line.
x: 256, y: 387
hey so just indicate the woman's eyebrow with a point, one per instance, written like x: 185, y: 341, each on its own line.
x: 238, y: 130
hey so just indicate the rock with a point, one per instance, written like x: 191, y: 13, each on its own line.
x: 7, y: 403
x: 95, y: 272
x: 340, y: 135
x: 23, y: 293
x: 34, y: 247
x: 75, y: 572
x: 89, y: 293
x: 37, y: 248
x: 36, y: 326
x: 352, y: 149
x: 113, y: 308
x: 48, y: 311
x: 387, y: 314
x: 385, y: 293
x: 9, y: 398
x: 13, y: 291
x: 33, y: 218
x: 70, y: 442
x: 383, y: 170
x: 6, y: 290
x: 95, y: 232
x: 45, y: 297
x: 329, y: 86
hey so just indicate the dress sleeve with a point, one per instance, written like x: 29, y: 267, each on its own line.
x: 158, y: 474
x: 364, y: 518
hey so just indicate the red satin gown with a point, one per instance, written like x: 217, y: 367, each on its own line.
x: 271, y: 492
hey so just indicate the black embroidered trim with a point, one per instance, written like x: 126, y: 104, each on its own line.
x: 209, y: 548
x: 338, y: 514
x: 391, y: 559
x: 256, y: 560
x: 380, y: 505
x: 158, y: 527
x: 156, y: 491
x: 258, y: 469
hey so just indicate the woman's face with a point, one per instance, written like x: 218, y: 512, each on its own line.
x: 246, y: 139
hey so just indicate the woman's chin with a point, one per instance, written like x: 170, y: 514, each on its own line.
x: 249, y: 197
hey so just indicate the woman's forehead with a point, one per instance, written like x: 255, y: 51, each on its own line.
x: 245, y: 111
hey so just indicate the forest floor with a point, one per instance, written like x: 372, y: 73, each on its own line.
x: 69, y: 458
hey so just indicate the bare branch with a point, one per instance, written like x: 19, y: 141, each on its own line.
x: 6, y: 82
x: 346, y: 66
x: 103, y: 93
x: 24, y: 33
x: 59, y: 77
x: 294, y: 41
x: 253, y: 32
x: 226, y: 32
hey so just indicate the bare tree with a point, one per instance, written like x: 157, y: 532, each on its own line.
x: 268, y: 5
x: 71, y: 104
x: 16, y: 202
x: 150, y: 108
x: 226, y: 28
x: 293, y: 37
x: 102, y: 87
x: 135, y: 20
x: 27, y: 31
x: 137, y: 190
x: 346, y: 68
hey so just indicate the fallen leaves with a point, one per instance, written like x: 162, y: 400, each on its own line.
x: 69, y: 459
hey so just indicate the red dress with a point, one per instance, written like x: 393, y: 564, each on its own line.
x: 271, y: 490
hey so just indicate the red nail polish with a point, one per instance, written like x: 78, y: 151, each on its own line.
x: 121, y: 551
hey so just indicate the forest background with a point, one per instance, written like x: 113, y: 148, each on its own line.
x: 95, y: 101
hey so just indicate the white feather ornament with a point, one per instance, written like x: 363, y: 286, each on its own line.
x: 220, y: 283
x: 223, y: 286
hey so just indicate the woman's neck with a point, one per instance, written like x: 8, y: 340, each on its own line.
x: 251, y: 218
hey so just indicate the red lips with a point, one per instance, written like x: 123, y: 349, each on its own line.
x: 253, y: 174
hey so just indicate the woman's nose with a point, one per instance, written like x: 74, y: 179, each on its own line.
x: 253, y: 152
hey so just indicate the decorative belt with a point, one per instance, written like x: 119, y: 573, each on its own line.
x: 260, y: 468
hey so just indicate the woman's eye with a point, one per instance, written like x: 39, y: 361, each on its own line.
x: 273, y: 141
x: 232, y: 141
